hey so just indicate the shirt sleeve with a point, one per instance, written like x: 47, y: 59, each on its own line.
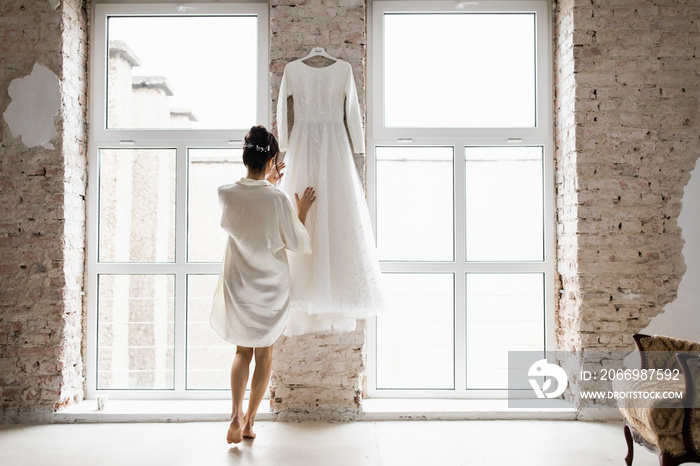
x: 352, y: 113
x: 293, y: 232
x: 282, y: 130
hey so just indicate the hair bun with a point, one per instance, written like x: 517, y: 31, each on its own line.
x: 259, y: 147
x: 258, y: 135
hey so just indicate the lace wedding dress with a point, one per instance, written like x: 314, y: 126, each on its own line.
x: 339, y: 281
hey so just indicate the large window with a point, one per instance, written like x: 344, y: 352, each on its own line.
x: 174, y: 88
x: 461, y: 191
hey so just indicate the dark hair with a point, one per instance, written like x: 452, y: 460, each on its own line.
x: 259, y: 147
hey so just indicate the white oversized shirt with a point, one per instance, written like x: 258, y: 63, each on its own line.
x: 252, y: 297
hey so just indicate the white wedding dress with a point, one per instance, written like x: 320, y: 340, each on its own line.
x: 339, y: 281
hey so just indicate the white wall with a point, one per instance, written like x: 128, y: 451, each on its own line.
x: 681, y: 318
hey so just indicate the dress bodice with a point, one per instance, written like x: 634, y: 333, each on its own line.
x: 321, y: 95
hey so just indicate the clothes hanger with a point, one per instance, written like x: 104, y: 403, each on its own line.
x: 318, y: 52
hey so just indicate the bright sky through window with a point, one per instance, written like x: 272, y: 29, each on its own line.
x: 203, y: 58
x: 459, y: 70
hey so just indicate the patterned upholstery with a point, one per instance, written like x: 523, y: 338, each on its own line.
x: 660, y: 351
x: 665, y: 442
x: 693, y: 371
x: 661, y: 422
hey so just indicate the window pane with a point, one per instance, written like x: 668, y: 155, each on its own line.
x: 136, y: 315
x: 459, y: 70
x: 209, y: 357
x: 209, y: 169
x: 182, y: 72
x: 137, y: 205
x: 415, y: 337
x: 505, y: 312
x: 415, y: 203
x: 505, y: 219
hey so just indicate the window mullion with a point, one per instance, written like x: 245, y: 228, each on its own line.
x: 180, y: 335
x: 459, y: 201
x: 460, y: 254
x: 181, y: 204
x: 460, y: 333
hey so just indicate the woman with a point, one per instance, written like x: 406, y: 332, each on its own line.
x: 252, y: 297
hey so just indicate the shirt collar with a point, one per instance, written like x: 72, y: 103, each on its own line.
x: 249, y: 182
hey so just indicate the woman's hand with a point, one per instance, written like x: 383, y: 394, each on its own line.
x: 275, y: 174
x: 305, y: 202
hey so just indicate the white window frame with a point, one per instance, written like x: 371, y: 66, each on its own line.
x: 459, y: 138
x: 179, y: 139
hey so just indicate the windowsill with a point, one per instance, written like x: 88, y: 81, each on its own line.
x: 378, y: 409
x: 374, y: 409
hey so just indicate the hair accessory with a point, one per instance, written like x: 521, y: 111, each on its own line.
x: 248, y: 145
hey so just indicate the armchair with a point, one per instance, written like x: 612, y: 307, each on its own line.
x: 669, y: 428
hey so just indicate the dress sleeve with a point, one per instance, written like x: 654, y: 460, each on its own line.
x: 293, y: 232
x: 282, y: 130
x: 352, y: 113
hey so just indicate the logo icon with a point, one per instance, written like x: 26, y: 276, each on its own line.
x: 542, y: 368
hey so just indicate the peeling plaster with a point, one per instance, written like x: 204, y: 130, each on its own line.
x: 36, y: 98
x: 55, y: 4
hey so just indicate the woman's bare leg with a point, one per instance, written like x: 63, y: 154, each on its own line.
x: 258, y: 387
x: 239, y: 379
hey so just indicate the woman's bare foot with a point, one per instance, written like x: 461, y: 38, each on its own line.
x: 234, y: 434
x: 248, y: 430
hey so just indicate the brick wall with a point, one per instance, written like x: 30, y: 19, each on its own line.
x: 42, y: 226
x: 74, y: 128
x: 627, y: 136
x: 318, y: 376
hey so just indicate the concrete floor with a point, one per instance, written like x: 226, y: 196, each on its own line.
x: 389, y: 443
